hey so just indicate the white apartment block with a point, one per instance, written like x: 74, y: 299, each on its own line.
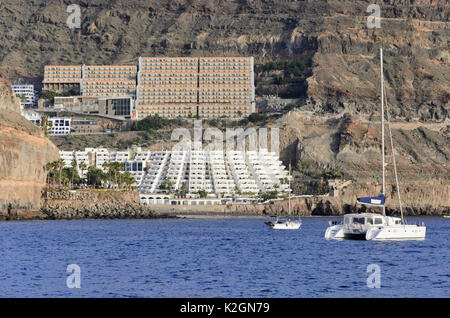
x: 79, y: 157
x: 59, y: 126
x: 28, y: 94
x: 220, y: 174
x: 32, y: 116
x: 162, y: 175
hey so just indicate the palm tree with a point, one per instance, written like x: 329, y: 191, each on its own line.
x: 50, y: 166
x: 107, y: 166
x: 46, y: 125
x: 183, y: 190
x: 128, y: 179
x: 169, y: 185
x: 74, y: 165
x: 120, y: 169
x: 96, y: 177
x: 115, y: 166
x: 59, y: 164
x: 65, y: 181
x: 276, y: 186
x: 83, y: 167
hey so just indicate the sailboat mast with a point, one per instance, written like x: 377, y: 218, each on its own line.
x: 382, y: 128
x: 289, y: 202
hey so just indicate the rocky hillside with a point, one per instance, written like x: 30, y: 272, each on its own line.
x: 332, y: 35
x: 24, y: 152
x: 349, y: 147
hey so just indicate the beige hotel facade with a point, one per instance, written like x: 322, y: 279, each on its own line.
x: 172, y: 87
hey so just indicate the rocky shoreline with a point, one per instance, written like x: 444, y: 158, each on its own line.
x: 69, y: 205
x: 95, y: 205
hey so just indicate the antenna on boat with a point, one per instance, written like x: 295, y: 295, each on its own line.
x: 382, y: 130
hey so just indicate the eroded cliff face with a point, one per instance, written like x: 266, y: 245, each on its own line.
x: 353, y: 146
x: 24, y: 152
x: 344, y: 51
x: 346, y: 65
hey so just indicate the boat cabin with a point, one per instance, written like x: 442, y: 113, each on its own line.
x: 370, y: 219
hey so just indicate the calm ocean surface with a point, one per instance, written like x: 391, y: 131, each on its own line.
x: 215, y: 258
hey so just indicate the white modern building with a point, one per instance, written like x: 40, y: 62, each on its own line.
x: 26, y: 94
x: 79, y: 157
x: 32, y: 116
x: 59, y: 126
x: 216, y: 174
x: 190, y: 175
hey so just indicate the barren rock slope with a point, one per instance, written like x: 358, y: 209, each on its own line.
x: 415, y: 35
x: 352, y: 146
x: 24, y: 152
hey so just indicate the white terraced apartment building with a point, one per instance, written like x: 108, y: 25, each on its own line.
x: 219, y: 174
x: 27, y: 92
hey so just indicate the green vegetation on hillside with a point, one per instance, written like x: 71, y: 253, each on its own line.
x: 294, y: 70
x: 151, y: 123
x: 310, y: 179
x: 284, y: 77
x: 53, y: 94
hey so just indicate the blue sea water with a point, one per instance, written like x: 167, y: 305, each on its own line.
x: 215, y: 258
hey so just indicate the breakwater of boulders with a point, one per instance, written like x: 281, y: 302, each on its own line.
x: 109, y: 204
x: 95, y: 205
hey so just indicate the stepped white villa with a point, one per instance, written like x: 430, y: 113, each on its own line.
x: 190, y: 176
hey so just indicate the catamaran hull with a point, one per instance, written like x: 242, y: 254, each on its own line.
x: 397, y: 233
x: 338, y: 232
x: 388, y: 233
x: 335, y: 232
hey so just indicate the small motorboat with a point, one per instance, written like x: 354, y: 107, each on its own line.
x: 284, y: 224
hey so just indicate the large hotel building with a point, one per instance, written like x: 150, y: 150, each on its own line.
x: 171, y: 87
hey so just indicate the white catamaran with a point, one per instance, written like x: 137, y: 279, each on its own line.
x: 373, y: 226
x: 286, y: 224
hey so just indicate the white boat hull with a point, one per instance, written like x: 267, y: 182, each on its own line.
x: 290, y: 225
x: 397, y: 233
x: 335, y: 232
x: 383, y: 233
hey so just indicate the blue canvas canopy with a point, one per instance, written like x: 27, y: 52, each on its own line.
x: 378, y: 201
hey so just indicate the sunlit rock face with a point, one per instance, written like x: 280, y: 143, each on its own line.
x: 333, y: 33
x: 24, y: 152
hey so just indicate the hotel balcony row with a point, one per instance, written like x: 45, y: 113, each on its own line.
x: 204, y: 111
x: 194, y: 62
